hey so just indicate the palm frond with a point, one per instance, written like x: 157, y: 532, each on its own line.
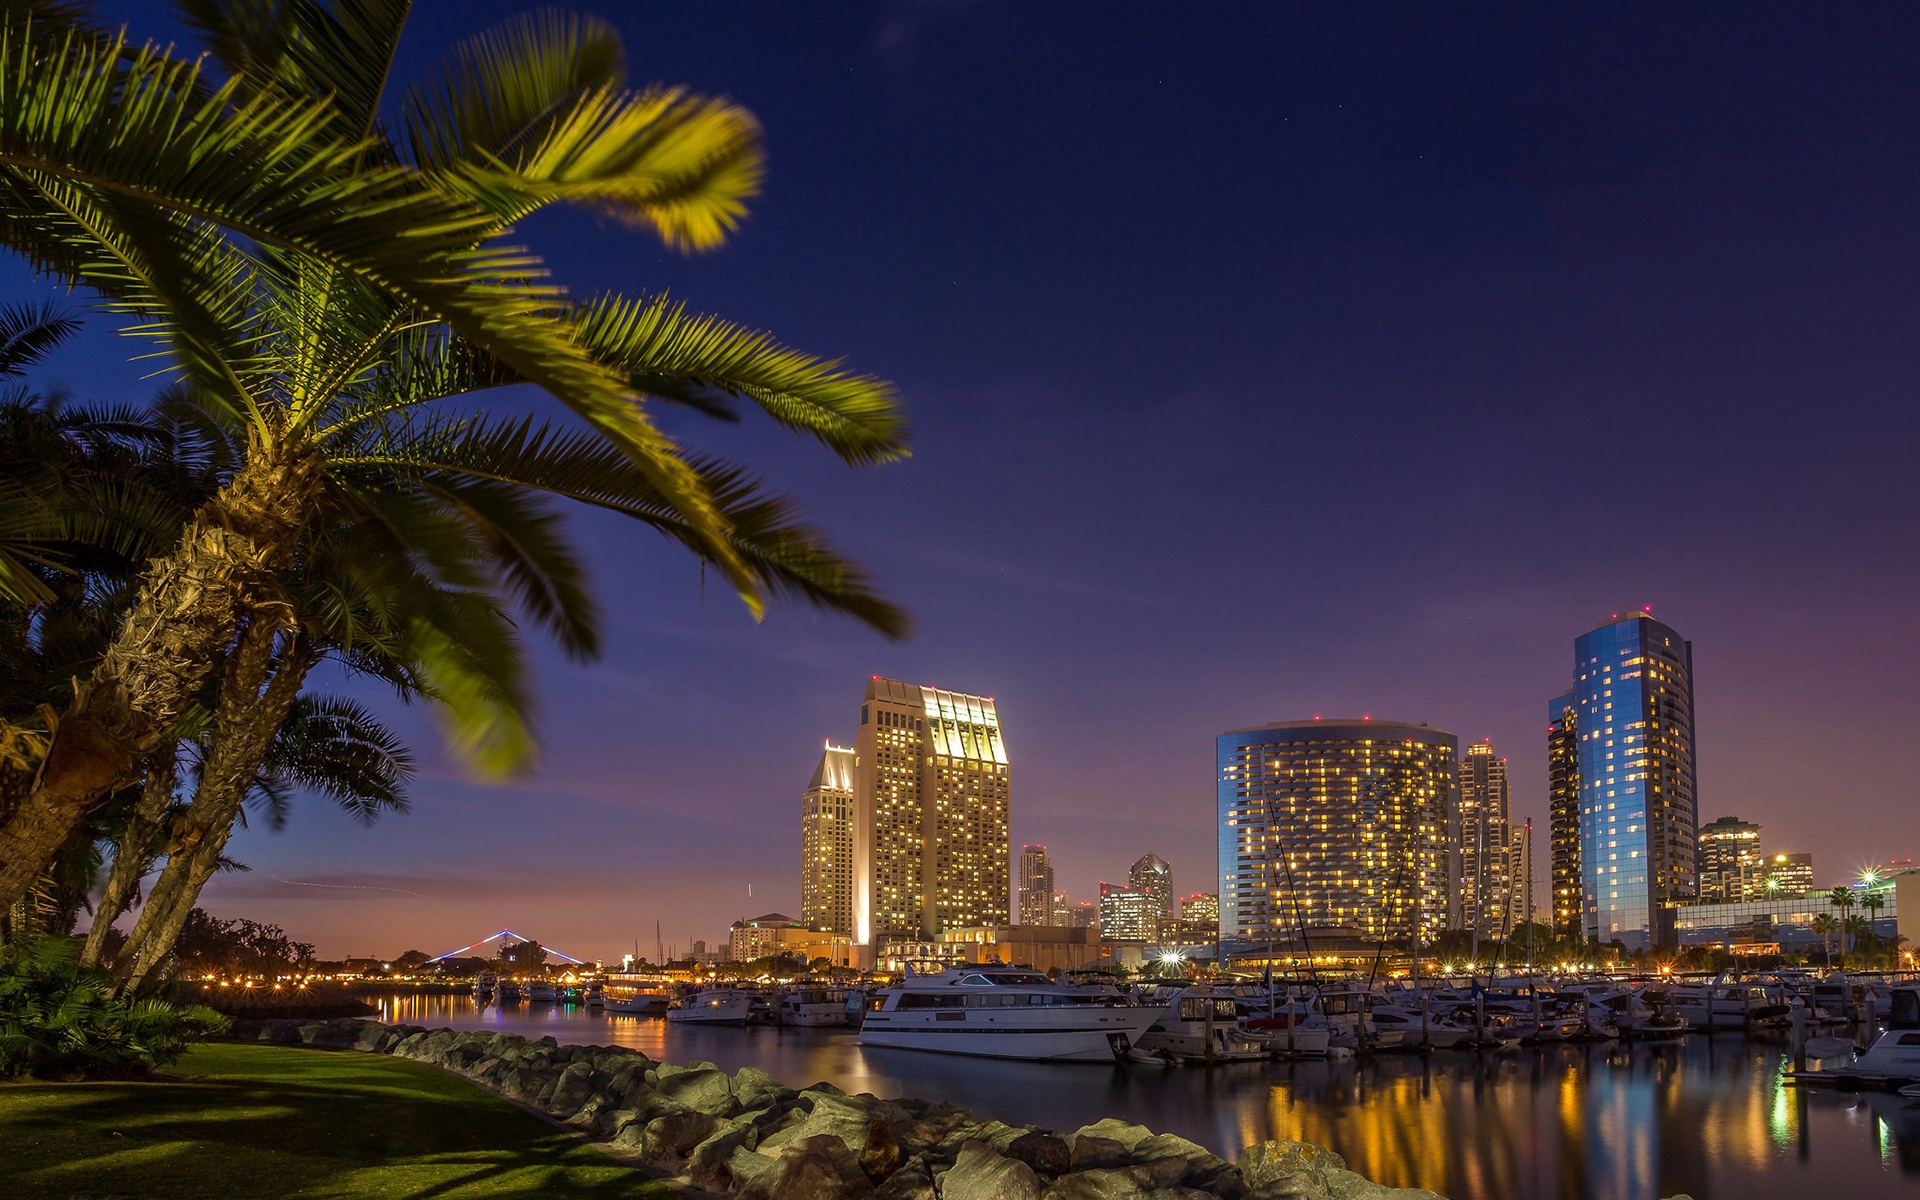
x: 28, y: 333
x: 339, y: 749
x: 307, y: 47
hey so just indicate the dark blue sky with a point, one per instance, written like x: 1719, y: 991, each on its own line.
x: 1262, y: 364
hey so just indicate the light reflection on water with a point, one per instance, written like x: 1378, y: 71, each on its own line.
x: 1709, y: 1118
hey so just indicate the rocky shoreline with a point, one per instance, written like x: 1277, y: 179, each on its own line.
x: 746, y: 1134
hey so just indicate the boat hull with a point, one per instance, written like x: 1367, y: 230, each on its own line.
x: 1099, y: 1035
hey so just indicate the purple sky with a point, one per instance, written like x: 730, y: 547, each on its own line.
x: 1260, y: 366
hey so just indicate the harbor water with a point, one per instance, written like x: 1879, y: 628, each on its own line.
x: 1709, y: 1117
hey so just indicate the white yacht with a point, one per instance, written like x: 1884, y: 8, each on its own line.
x: 999, y: 1012
x: 810, y: 1006
x: 716, y: 1006
x: 1895, y: 1054
x: 1202, y: 1025
x: 541, y: 992
x: 1720, y: 1005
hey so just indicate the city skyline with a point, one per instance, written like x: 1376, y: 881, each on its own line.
x: 1444, y: 241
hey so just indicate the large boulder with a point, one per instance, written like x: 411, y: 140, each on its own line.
x: 1091, y: 1153
x: 708, y: 1164
x: 1308, y: 1170
x: 707, y: 1090
x: 1100, y: 1183
x: 754, y: 1088
x: 676, y: 1134
x: 1045, y: 1153
x: 816, y: 1168
x: 571, y: 1089
x: 913, y: 1181
x: 848, y: 1118
x: 979, y: 1173
x: 1125, y: 1132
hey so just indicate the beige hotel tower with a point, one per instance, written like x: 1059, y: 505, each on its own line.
x: 932, y: 846
x: 826, y: 843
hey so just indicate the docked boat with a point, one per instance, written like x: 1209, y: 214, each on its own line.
x: 593, y: 995
x: 1202, y: 1025
x: 718, y: 1006
x: 1718, y: 1006
x: 541, y: 992
x: 1005, y: 1013
x: 813, y: 1006
x: 507, y: 993
x: 1895, y: 1054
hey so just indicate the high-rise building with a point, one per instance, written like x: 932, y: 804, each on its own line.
x: 1151, y: 874
x: 1563, y: 815
x: 1200, y: 917
x: 931, y: 845
x: 1334, y: 823
x: 1789, y: 875
x: 1128, y: 915
x: 1732, y: 869
x: 1083, y: 915
x: 1036, y: 886
x: 1485, y: 843
x: 1636, y: 808
x: 826, y: 843
x: 1520, y: 875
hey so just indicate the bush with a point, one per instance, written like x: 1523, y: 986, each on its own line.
x: 59, y: 1020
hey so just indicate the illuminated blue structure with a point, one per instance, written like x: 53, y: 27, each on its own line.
x: 1636, y: 810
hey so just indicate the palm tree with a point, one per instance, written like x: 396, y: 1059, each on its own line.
x: 1873, y: 901
x: 1824, y: 924
x: 329, y: 268
x: 1842, y: 899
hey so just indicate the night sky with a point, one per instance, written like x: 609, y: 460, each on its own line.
x: 1261, y: 364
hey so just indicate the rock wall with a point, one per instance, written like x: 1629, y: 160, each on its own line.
x: 747, y: 1134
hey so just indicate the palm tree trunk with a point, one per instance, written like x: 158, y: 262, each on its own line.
x: 245, y: 721
x: 130, y: 860
x: 189, y: 606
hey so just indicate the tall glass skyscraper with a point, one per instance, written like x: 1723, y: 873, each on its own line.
x: 1335, y: 824
x: 1636, y: 812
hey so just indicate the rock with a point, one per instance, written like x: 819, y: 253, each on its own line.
x: 823, y: 1088
x: 310, y: 1033
x: 367, y: 1038
x: 1045, y: 1153
x: 981, y: 1174
x: 1124, y: 1132
x: 1225, y: 1182
x: 916, y: 1136
x: 754, y: 1088
x: 707, y: 1163
x: 817, y: 1168
x: 845, y: 1117
x: 1100, y: 1183
x: 1094, y: 1153
x: 911, y: 1182
x: 571, y: 1089
x: 1158, y: 1174
x: 1179, y: 1193
x: 881, y: 1155
x: 1308, y: 1170
x: 676, y: 1134
x: 707, y: 1090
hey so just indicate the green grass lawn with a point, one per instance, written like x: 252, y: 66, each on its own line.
x: 242, y: 1121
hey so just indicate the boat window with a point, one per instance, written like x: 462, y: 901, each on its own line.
x: 932, y: 1000
x: 1909, y: 1039
x: 876, y: 1003
x: 975, y: 981
x: 1905, y: 1013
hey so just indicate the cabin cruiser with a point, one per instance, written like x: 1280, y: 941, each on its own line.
x: 719, y: 1006
x: 810, y: 1006
x: 507, y: 993
x: 593, y: 995
x: 541, y: 992
x: 1895, y: 1054
x: 1202, y: 1025
x: 999, y: 1012
x: 483, y: 986
x: 1718, y: 1005
x: 631, y: 994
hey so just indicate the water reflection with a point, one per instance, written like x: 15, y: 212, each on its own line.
x: 1710, y: 1118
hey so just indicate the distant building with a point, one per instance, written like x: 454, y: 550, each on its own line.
x: 1200, y: 917
x: 1334, y: 823
x: 1151, y: 874
x: 1786, y: 922
x: 1061, y: 914
x: 1485, y: 851
x: 1083, y: 915
x: 758, y: 937
x: 1636, y: 814
x: 931, y: 811
x: 1563, y: 815
x: 1520, y: 873
x: 1732, y: 869
x: 1127, y: 915
x: 1036, y: 886
x: 826, y: 843
x: 1789, y: 875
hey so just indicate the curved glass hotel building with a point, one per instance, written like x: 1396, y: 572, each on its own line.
x: 1631, y: 816
x: 1334, y: 824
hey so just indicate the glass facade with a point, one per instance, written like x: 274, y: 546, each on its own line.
x: 1633, y: 705
x: 1334, y: 823
x: 1788, y: 922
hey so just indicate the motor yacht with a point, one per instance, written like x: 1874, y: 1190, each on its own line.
x: 1895, y: 1054
x: 1719, y: 1005
x: 541, y: 992
x: 1005, y: 1013
x: 507, y: 993
x: 1203, y: 1025
x: 718, y: 1006
x: 813, y: 1006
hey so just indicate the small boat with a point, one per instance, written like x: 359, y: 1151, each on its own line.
x: 1202, y: 1025
x: 813, y: 1006
x: 715, y: 1006
x: 541, y: 992
x: 1719, y: 1005
x: 507, y: 993
x: 1006, y: 1013
x: 593, y: 996
x: 1911, y: 1091
x: 1826, y: 1049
